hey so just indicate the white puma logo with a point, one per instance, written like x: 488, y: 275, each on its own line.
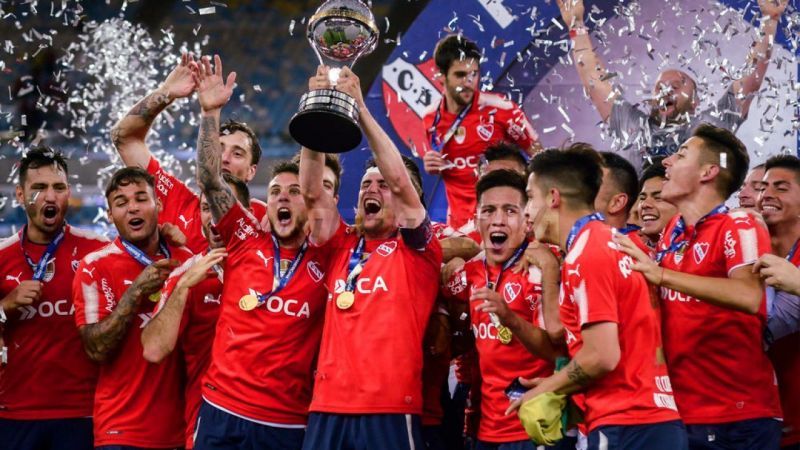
x: 575, y: 271
x: 260, y: 254
x: 90, y: 272
x: 16, y: 278
x: 185, y: 222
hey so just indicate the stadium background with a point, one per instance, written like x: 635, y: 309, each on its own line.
x: 68, y: 69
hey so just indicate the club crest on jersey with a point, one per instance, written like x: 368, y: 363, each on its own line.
x: 700, y: 251
x: 314, y: 271
x: 485, y: 131
x: 386, y: 248
x: 511, y: 291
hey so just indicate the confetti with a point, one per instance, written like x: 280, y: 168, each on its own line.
x: 208, y: 10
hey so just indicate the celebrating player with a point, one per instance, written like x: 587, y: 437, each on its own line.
x: 465, y: 123
x: 654, y: 212
x: 47, y: 382
x: 612, y: 328
x: 116, y: 290
x: 240, y: 154
x: 713, y: 308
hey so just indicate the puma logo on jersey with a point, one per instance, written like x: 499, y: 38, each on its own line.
x: 575, y: 271
x: 263, y: 257
x: 16, y: 278
x: 211, y: 299
x: 185, y: 222
x: 89, y: 272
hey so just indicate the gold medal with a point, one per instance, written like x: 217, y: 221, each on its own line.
x: 345, y: 300
x: 504, y: 334
x: 155, y: 297
x: 248, y: 302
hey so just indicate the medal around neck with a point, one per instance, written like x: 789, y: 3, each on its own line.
x: 345, y: 300
x: 504, y: 334
x: 340, y: 32
x: 248, y: 302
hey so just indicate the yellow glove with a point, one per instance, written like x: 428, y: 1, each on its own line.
x: 541, y: 417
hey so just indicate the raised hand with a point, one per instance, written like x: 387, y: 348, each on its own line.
x: 212, y: 90
x: 179, y: 82
x: 778, y: 273
x: 320, y: 80
x: 350, y: 84
x: 571, y: 12
x: 200, y: 270
x: 493, y: 303
x: 772, y: 8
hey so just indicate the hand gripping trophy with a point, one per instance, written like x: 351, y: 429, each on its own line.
x: 340, y: 32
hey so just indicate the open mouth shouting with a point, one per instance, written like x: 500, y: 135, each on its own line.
x: 136, y: 224
x: 50, y: 213
x: 497, y: 239
x: 284, y: 216
x: 372, y: 207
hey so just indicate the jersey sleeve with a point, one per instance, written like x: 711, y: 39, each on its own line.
x: 238, y: 227
x: 519, y: 129
x: 455, y: 288
x: 176, y: 199
x: 744, y: 240
x: 595, y: 293
x: 91, y: 300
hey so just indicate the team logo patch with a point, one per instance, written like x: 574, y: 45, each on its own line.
x: 485, y: 131
x: 511, y: 291
x: 386, y: 248
x: 314, y: 271
x: 700, y: 251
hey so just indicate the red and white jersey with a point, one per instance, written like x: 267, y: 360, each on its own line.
x: 786, y: 359
x: 196, y: 334
x: 370, y: 360
x: 493, y: 118
x: 48, y: 375
x: 181, y: 206
x: 136, y: 403
x: 598, y: 285
x: 501, y: 364
x: 262, y: 360
x: 716, y: 358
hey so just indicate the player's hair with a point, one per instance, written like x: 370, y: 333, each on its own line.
x: 332, y: 162
x: 129, y: 175
x: 40, y: 156
x: 654, y: 170
x: 575, y: 171
x: 502, y: 178
x: 505, y: 151
x: 285, y: 167
x: 231, y: 126
x: 788, y: 162
x: 240, y: 189
x: 623, y: 176
x: 455, y: 47
x: 413, y: 173
x: 718, y: 141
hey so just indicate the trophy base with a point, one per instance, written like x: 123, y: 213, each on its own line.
x: 327, y: 121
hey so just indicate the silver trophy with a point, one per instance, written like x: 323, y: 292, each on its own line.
x: 340, y: 32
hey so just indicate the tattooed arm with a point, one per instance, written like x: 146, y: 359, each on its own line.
x: 101, y: 339
x: 128, y: 135
x: 599, y: 355
x: 213, y: 92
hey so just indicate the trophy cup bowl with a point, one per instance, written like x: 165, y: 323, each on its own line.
x: 340, y: 32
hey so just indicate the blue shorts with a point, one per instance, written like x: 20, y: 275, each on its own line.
x: 568, y: 443
x: 327, y: 431
x: 432, y: 435
x: 51, y: 434
x: 219, y: 430
x: 763, y: 434
x: 655, y: 436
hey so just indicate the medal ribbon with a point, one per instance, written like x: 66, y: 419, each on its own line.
x: 280, y: 281
x: 511, y: 261
x: 356, y: 265
x: 139, y: 255
x: 40, y: 267
x: 629, y: 228
x: 578, y: 226
x: 438, y: 144
x: 680, y: 228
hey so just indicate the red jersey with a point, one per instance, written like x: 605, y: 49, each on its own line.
x: 262, y: 360
x: 136, y: 403
x: 786, y: 359
x: 48, y: 375
x: 491, y: 118
x: 717, y: 363
x: 370, y: 360
x: 181, y: 206
x: 501, y: 364
x: 598, y: 285
x: 196, y: 335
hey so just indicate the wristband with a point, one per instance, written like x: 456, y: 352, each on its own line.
x: 578, y: 31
